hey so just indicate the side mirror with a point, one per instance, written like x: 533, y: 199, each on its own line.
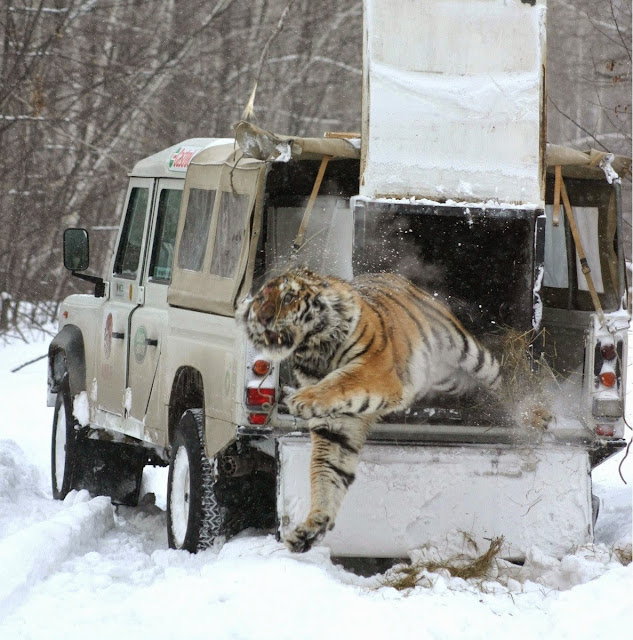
x: 76, y: 249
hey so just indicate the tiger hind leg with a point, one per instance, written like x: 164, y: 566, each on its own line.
x: 336, y: 445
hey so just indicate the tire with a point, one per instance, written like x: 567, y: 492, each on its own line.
x: 194, y: 516
x: 595, y: 509
x: 64, y: 445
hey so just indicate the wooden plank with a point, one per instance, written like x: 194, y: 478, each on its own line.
x: 311, y: 201
x: 558, y: 178
x: 581, y: 252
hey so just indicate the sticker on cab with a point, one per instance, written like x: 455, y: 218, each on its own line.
x: 140, y: 344
x: 180, y: 159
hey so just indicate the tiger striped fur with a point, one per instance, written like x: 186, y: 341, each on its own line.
x: 359, y: 350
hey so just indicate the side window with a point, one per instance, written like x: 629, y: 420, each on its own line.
x: 556, y: 250
x: 129, y: 252
x: 196, y: 230
x: 229, y: 235
x: 165, y: 235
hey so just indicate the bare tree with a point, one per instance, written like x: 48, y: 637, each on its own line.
x: 589, y: 74
x: 87, y: 87
x: 589, y: 80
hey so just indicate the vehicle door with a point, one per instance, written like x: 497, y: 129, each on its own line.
x: 126, y: 293
x: 149, y: 321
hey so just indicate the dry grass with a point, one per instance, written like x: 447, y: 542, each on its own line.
x: 529, y: 386
x: 405, y: 577
x: 520, y: 375
x: 624, y: 554
x: 409, y: 576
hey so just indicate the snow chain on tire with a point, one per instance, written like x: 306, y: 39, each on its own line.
x: 211, y: 516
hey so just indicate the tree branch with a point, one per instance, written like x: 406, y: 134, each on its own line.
x: 562, y: 113
x: 248, y: 109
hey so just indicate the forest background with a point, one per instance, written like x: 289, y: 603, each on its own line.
x: 88, y: 87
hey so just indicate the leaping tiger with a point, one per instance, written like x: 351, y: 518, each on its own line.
x: 359, y: 350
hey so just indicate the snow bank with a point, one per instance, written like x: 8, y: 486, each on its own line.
x: 25, y: 418
x: 17, y: 475
x: 539, y: 571
x: 31, y: 554
x: 22, y: 499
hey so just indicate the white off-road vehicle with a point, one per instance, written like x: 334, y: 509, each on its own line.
x: 450, y: 184
x: 153, y: 369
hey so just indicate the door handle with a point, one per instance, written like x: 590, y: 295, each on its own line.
x: 118, y: 336
x: 151, y: 342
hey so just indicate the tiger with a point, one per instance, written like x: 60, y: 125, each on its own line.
x: 359, y: 350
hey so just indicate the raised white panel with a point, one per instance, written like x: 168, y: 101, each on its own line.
x: 452, y: 100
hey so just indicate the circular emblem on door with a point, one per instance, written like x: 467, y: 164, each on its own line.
x: 140, y: 344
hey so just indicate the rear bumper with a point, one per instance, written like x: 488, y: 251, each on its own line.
x: 456, y: 434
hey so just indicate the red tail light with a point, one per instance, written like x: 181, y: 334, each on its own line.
x: 604, y: 430
x: 261, y: 367
x: 258, y: 396
x: 608, y: 379
x: 608, y: 351
x: 257, y: 418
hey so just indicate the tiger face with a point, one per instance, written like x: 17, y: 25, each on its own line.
x: 284, y: 312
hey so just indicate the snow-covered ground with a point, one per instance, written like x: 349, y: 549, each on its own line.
x: 78, y: 569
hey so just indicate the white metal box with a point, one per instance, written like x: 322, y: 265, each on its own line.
x: 406, y: 497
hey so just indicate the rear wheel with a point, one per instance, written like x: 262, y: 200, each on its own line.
x: 194, y: 516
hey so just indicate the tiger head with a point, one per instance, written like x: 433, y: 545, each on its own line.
x: 290, y: 308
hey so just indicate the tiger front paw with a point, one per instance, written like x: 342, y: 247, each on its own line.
x: 305, y: 404
x: 536, y: 416
x: 540, y: 418
x: 304, y: 536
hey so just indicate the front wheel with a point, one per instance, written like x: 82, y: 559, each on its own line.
x: 194, y: 517
x: 64, y: 446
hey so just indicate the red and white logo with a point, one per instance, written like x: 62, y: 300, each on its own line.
x: 181, y: 158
